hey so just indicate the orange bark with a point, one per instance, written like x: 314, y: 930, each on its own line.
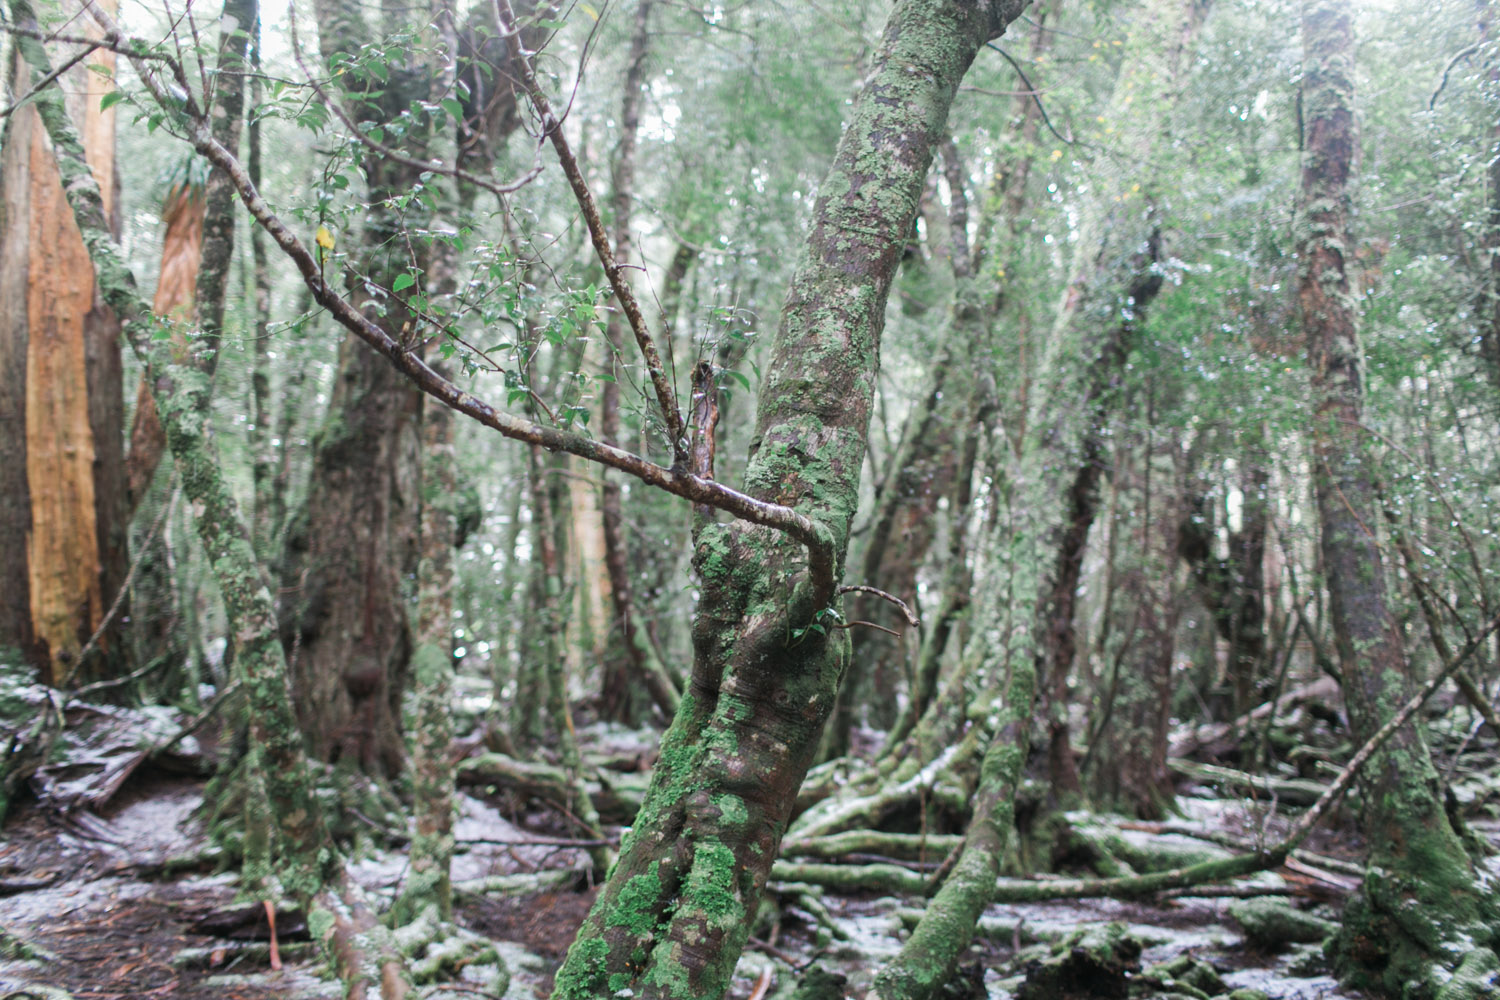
x: 176, y: 292
x: 63, y: 558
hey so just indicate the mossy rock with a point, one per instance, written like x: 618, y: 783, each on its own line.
x: 1247, y: 994
x: 1093, y: 962
x: 1272, y: 924
x: 1188, y: 974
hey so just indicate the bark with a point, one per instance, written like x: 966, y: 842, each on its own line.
x: 355, y: 542
x: 62, y: 469
x: 691, y: 870
x: 270, y: 503
x: 1422, y: 905
x: 431, y: 725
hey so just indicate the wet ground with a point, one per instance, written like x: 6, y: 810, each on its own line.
x: 96, y: 896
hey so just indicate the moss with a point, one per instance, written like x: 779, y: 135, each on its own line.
x: 711, y: 883
x: 583, y: 973
x: 636, y: 909
x: 320, y: 923
x: 1474, y: 978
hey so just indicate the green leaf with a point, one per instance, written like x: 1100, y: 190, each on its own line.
x: 110, y: 99
x: 453, y: 107
x: 403, y: 281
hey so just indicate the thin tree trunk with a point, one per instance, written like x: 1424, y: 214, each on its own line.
x: 1423, y: 907
x: 645, y: 662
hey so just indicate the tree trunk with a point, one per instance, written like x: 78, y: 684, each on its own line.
x: 1129, y: 746
x: 1099, y: 317
x: 677, y: 909
x: 62, y: 475
x: 1422, y: 906
x: 644, y: 660
x: 355, y: 544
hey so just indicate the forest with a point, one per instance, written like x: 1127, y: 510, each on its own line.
x: 681, y: 499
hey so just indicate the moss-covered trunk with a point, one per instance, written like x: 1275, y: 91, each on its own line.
x: 1423, y: 907
x: 675, y: 914
x: 181, y: 394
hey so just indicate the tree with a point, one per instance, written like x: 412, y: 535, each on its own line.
x: 1423, y: 908
x: 62, y: 488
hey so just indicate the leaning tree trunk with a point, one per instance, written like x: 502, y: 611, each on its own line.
x: 1423, y: 908
x: 63, y: 518
x: 677, y: 909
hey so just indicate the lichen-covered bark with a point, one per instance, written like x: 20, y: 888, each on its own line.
x: 64, y: 519
x: 430, y: 725
x: 1423, y: 906
x: 675, y: 914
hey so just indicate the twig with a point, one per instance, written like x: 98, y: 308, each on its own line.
x: 911, y: 618
x: 1443, y: 81
x: 882, y: 628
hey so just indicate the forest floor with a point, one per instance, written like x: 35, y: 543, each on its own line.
x: 91, y: 893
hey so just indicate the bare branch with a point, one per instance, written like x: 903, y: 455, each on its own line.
x: 911, y: 617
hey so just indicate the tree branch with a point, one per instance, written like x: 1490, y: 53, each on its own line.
x: 675, y: 480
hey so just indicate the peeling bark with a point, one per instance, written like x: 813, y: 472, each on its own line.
x: 64, y: 520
